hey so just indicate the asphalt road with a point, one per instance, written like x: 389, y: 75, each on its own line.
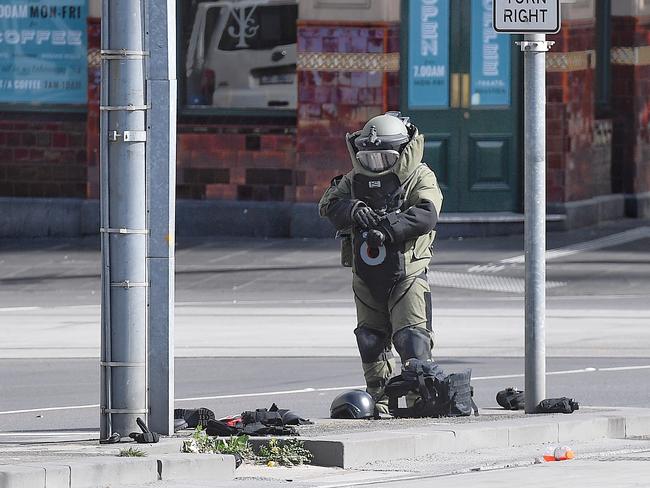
x: 259, y: 316
x: 306, y: 385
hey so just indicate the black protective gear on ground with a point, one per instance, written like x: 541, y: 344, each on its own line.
x: 194, y: 416
x: 375, y: 238
x: 365, y: 217
x: 558, y: 405
x: 272, y: 421
x: 180, y: 424
x: 114, y: 438
x: 412, y: 342
x: 354, y: 404
x: 439, y: 395
x: 373, y: 344
x: 511, y: 398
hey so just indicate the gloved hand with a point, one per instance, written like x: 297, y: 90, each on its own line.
x: 375, y: 238
x: 365, y: 217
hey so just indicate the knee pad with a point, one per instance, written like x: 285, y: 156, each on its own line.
x: 413, y: 342
x: 373, y: 344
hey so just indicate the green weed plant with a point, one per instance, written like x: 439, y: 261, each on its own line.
x: 132, y: 452
x: 289, y: 452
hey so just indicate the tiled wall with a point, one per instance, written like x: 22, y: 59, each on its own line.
x: 236, y: 163
x: 42, y: 155
x: 578, y: 163
x: 338, y: 91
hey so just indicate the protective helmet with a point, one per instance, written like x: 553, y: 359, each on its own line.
x: 354, y: 404
x: 381, y: 140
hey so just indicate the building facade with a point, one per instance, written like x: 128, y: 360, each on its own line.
x: 267, y: 92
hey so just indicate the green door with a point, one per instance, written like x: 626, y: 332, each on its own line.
x: 461, y: 89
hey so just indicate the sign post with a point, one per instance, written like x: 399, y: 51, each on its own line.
x: 534, y: 19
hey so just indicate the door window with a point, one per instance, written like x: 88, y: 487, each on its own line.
x: 490, y: 59
x: 428, y: 57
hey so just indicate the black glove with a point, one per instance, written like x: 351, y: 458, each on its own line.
x: 375, y: 238
x: 558, y: 405
x: 365, y: 217
x: 146, y: 437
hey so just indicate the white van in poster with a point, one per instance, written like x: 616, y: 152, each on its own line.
x: 242, y: 54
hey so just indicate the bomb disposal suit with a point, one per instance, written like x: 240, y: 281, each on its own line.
x: 389, y: 203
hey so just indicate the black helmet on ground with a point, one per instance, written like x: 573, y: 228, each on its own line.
x: 354, y: 404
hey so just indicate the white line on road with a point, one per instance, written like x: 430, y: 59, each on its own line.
x: 335, y: 388
x: 624, y: 368
x: 49, y: 409
x: 18, y: 309
x: 601, y: 243
x: 50, y: 433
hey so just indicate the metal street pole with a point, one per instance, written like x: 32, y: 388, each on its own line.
x: 534, y: 47
x: 161, y: 174
x: 124, y: 218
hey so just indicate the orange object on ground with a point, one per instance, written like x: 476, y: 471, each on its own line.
x: 563, y: 453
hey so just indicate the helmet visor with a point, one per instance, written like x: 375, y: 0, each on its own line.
x: 377, y: 161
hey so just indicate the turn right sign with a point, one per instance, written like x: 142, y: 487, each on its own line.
x: 526, y: 16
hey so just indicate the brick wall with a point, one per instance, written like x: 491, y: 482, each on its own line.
x: 236, y: 163
x: 42, y: 155
x: 334, y: 101
x: 57, y: 154
x: 631, y: 104
x: 577, y: 161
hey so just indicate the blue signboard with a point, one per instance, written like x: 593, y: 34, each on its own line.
x: 490, y: 61
x: 43, y: 51
x: 428, y: 60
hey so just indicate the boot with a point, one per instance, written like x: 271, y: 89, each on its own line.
x: 376, y: 375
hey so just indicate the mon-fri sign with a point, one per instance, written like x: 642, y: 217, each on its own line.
x: 525, y: 16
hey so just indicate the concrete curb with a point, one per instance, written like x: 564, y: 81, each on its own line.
x: 353, y: 450
x: 100, y: 471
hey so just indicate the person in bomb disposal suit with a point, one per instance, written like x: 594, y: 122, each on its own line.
x: 389, y: 203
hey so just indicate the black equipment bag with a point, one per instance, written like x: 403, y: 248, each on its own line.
x: 440, y: 395
x: 511, y: 398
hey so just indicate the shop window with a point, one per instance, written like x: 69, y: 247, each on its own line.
x: 238, y: 56
x: 603, y: 63
x: 43, y: 55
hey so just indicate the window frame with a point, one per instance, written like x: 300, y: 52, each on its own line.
x: 188, y: 114
x: 603, y: 70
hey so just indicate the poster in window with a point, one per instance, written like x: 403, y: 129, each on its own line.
x: 240, y: 56
x: 428, y: 59
x: 490, y: 61
x: 43, y: 51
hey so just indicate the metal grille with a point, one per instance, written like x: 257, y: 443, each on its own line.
x: 503, y: 284
x: 348, y: 61
x: 572, y: 61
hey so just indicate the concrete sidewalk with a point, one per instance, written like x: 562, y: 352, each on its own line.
x: 353, y: 444
x: 348, y: 444
x: 87, y: 464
